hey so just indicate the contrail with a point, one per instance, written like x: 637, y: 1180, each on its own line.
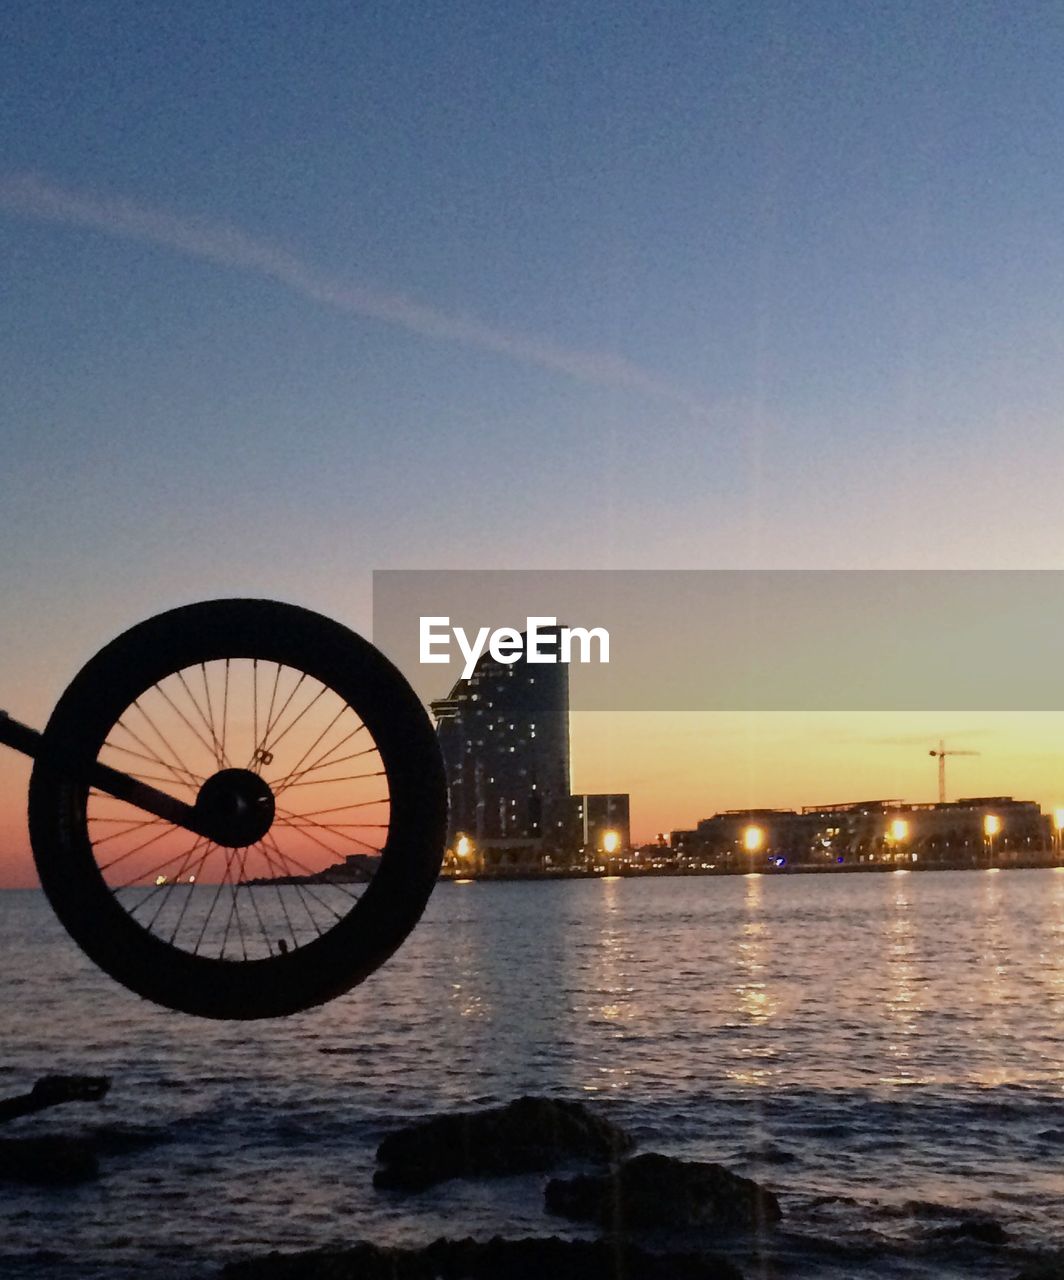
x: 31, y: 196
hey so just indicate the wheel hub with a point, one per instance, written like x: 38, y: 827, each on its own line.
x: 235, y: 807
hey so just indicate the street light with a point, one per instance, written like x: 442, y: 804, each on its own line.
x: 753, y: 839
x: 991, y: 827
x: 897, y: 833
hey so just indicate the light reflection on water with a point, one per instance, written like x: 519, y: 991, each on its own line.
x: 897, y: 1036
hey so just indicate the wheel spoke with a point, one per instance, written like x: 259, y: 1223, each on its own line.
x: 211, y: 846
x: 351, y: 777
x: 314, y: 744
x: 168, y: 887
x: 127, y: 830
x: 342, y: 808
x: 290, y: 858
x: 271, y: 721
x: 280, y: 896
x: 323, y: 782
x: 214, y: 901
x: 234, y: 908
x: 254, y: 709
x: 323, y: 760
x: 305, y: 827
x: 177, y: 711
x: 255, y: 906
x: 225, y: 709
x: 220, y: 759
x: 169, y: 747
x: 208, y: 724
x: 308, y: 834
x: 256, y: 761
x: 272, y: 746
x: 154, y: 871
x: 298, y: 886
x: 182, y: 775
x: 106, y: 866
x: 147, y: 777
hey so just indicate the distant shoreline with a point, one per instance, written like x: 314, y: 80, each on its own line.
x: 628, y: 873
x: 1049, y: 862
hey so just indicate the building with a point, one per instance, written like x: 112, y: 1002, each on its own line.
x: 969, y: 832
x: 599, y: 826
x: 504, y: 735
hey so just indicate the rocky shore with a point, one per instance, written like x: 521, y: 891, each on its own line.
x: 63, y: 1160
x: 655, y: 1217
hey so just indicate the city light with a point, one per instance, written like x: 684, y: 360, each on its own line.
x: 611, y: 841
x: 991, y: 825
x: 1058, y: 819
x: 753, y: 839
x: 899, y: 829
x: 464, y: 847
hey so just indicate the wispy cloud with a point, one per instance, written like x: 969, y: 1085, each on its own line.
x: 31, y: 196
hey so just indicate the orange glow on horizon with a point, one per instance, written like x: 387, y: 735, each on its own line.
x: 681, y: 767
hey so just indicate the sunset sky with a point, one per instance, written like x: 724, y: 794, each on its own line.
x: 290, y: 295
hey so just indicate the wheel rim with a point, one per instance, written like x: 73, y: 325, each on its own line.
x: 215, y: 734
x: 236, y: 707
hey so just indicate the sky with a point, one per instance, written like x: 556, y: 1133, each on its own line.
x: 291, y: 294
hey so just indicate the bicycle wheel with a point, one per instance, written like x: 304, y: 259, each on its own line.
x: 319, y: 782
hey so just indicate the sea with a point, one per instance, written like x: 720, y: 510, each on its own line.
x: 884, y: 1051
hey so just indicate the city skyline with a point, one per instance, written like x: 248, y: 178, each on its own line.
x: 290, y: 301
x: 680, y: 768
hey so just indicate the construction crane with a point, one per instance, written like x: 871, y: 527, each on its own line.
x: 942, y: 753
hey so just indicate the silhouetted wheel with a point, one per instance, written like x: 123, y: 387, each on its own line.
x: 319, y: 798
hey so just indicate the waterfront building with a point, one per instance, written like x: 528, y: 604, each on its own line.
x: 599, y: 826
x: 504, y: 735
x: 968, y: 832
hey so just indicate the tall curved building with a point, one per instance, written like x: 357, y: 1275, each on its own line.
x: 504, y: 734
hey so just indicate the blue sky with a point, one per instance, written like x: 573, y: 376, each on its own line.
x: 820, y: 242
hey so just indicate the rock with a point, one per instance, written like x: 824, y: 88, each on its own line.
x: 1048, y: 1267
x: 526, y: 1136
x: 47, y: 1162
x: 660, y: 1191
x: 498, y: 1259
x: 768, y: 1155
x: 51, y: 1091
x: 121, y: 1139
x: 979, y: 1230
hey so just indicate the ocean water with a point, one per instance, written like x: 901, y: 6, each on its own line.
x: 884, y: 1051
